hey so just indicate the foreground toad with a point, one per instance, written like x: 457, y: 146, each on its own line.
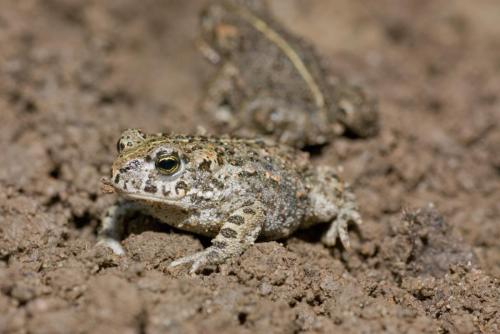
x: 234, y: 190
x: 270, y: 82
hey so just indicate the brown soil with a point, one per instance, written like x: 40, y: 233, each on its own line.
x: 73, y: 74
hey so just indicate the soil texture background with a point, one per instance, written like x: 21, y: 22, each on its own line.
x: 75, y: 73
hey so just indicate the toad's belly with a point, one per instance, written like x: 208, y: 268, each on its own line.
x: 205, y: 222
x: 281, y: 219
x: 278, y: 225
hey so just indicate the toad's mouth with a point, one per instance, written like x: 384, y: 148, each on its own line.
x: 154, y: 199
x: 108, y: 187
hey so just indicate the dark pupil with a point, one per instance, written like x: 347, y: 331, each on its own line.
x: 167, y: 164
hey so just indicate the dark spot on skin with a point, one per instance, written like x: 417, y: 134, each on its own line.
x: 245, y: 173
x: 147, y: 158
x: 248, y: 203
x: 180, y: 185
x: 129, y: 144
x: 228, y: 233
x: 249, y: 211
x: 207, y: 188
x: 120, y: 146
x: 191, y: 169
x: 337, y: 192
x: 236, y: 220
x: 134, y: 164
x: 344, y: 216
x: 205, y: 165
x: 117, y: 178
x: 235, y: 162
x: 213, y: 256
x: 195, y: 199
x: 253, y: 154
x: 220, y: 159
x: 218, y: 184
x: 150, y: 188
x: 165, y: 191
x: 197, y: 147
x: 219, y: 244
x: 260, y: 143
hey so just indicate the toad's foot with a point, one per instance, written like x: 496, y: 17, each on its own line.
x: 332, y: 200
x: 211, y: 255
x: 112, y: 244
x: 238, y: 233
x: 348, y: 213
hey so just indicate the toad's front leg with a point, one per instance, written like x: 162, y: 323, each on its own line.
x: 112, y: 224
x: 238, y: 232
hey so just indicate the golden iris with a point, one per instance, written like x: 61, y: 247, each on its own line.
x: 167, y: 164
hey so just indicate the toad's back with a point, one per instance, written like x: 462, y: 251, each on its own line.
x: 270, y: 174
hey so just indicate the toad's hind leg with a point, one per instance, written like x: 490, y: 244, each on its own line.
x: 331, y: 200
x: 238, y: 232
x: 347, y: 212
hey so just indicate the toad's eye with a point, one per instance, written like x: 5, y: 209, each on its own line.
x: 167, y: 164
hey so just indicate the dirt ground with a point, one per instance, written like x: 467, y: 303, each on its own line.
x: 74, y: 73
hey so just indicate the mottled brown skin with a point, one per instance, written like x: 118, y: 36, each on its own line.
x: 234, y: 190
x: 271, y: 82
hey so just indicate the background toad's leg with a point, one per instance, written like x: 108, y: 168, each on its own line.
x: 222, y: 99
